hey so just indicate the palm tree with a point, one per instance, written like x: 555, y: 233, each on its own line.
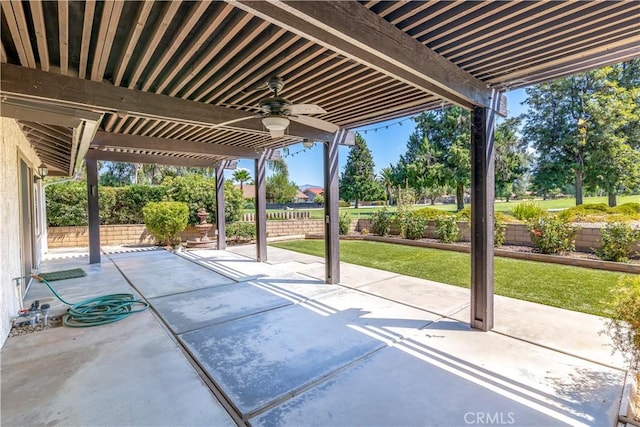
x: 386, y: 178
x: 241, y: 176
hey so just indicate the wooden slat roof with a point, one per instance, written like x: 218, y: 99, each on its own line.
x: 222, y: 53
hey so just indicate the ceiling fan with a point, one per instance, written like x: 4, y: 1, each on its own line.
x: 277, y: 112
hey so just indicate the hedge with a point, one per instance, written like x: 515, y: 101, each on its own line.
x: 67, y: 202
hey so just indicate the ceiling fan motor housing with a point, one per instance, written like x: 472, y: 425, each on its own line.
x: 275, y: 106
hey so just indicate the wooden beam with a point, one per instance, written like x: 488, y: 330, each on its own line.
x: 350, y: 29
x: 24, y: 83
x: 43, y: 113
x: 87, y: 23
x: 261, y: 206
x: 41, y: 33
x: 119, y: 156
x: 132, y: 40
x: 220, y: 211
x: 482, y: 220
x: 63, y: 35
x: 331, y: 230
x: 94, y: 212
x: 108, y: 139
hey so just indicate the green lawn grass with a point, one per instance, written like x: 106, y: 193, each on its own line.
x: 366, y: 211
x: 574, y: 288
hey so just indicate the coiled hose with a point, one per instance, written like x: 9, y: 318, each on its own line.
x: 98, y: 310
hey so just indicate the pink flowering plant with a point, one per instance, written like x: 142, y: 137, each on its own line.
x: 551, y: 235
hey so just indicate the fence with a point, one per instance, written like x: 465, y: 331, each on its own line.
x: 279, y: 215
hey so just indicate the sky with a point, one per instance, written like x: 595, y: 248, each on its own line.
x: 386, y: 143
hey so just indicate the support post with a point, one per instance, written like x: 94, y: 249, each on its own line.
x: 220, y: 212
x: 94, y: 211
x: 482, y: 221
x: 331, y: 231
x: 261, y: 206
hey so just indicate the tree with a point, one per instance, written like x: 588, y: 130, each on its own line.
x: 358, y: 182
x: 510, y: 157
x: 386, y: 178
x: 118, y: 174
x: 585, y: 129
x: 611, y: 114
x: 278, y: 187
x: 199, y: 191
x: 419, y: 167
x: 241, y: 175
x: 439, y: 153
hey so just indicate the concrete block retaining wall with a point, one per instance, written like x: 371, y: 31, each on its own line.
x: 137, y: 234
x: 587, y: 239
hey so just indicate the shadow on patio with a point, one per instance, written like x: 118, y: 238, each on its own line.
x: 286, y: 349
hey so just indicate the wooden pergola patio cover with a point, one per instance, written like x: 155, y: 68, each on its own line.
x: 151, y: 81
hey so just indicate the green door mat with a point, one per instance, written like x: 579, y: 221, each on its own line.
x: 63, y: 274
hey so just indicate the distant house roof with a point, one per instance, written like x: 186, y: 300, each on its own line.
x: 315, y: 190
x: 248, y: 191
x: 301, y: 195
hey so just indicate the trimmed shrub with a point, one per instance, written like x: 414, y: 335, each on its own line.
x: 67, y: 204
x: 249, y: 204
x: 344, y: 204
x: 165, y: 219
x: 624, y: 325
x: 344, y: 222
x: 240, y: 231
x: 431, y: 213
x: 198, y: 191
x: 415, y: 226
x: 129, y: 201
x: 617, y: 239
x: 628, y: 209
x: 552, y: 235
x: 381, y: 222
x: 464, y: 214
x: 584, y: 213
x: 499, y: 228
x: 447, y: 230
x: 528, y: 211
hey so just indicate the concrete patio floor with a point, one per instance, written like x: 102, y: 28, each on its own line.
x: 230, y: 340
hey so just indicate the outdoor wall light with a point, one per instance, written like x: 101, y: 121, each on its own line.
x: 275, y: 123
x: 42, y: 172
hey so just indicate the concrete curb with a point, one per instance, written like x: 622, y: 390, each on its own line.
x: 627, y: 413
x: 552, y: 259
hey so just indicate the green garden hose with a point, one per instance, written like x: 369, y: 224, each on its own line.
x: 98, y: 310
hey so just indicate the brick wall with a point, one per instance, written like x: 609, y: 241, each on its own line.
x: 136, y: 234
x: 587, y: 239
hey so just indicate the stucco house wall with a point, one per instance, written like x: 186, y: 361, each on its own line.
x: 13, y: 147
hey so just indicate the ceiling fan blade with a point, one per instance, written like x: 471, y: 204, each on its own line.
x: 306, y: 109
x: 279, y: 133
x: 315, y: 123
x: 230, y: 122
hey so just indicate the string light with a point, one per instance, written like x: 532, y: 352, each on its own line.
x: 289, y: 154
x: 399, y: 122
x: 387, y: 126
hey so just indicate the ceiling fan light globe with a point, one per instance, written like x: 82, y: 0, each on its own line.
x: 275, y: 123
